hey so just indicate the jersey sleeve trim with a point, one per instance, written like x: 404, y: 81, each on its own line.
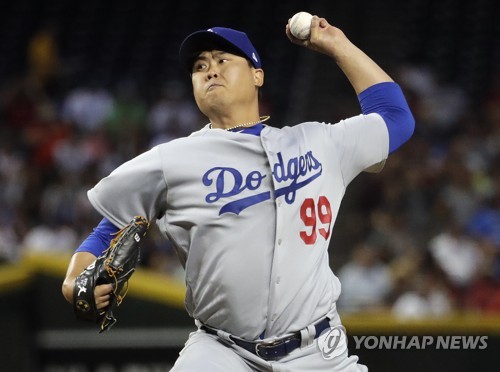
x: 387, y: 100
x: 99, y: 239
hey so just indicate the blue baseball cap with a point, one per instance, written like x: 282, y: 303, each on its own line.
x: 217, y: 38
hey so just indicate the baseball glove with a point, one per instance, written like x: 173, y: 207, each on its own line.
x: 115, y: 266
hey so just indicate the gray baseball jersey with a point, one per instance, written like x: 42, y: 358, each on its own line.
x: 250, y: 216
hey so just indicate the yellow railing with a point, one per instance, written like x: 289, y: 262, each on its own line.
x: 145, y: 284
x: 458, y: 323
x: 160, y: 288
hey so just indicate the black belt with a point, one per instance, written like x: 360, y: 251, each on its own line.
x: 275, y: 349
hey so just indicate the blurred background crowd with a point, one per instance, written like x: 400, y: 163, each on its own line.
x: 85, y: 86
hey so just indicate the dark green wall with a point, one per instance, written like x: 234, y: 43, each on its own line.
x: 40, y: 333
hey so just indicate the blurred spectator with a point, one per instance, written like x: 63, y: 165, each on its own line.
x: 88, y: 107
x: 366, y: 281
x: 9, y: 244
x: 484, y: 295
x: 12, y: 182
x: 173, y: 115
x: 70, y: 155
x: 485, y: 223
x: 457, y: 255
x: 388, y: 232
x: 20, y: 101
x: 457, y: 194
x: 403, y: 269
x: 58, y: 200
x: 427, y: 297
x: 44, y: 238
x: 439, y: 106
x: 43, y: 56
x: 491, y: 108
x: 129, y: 113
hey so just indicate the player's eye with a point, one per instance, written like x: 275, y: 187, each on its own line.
x: 199, y: 66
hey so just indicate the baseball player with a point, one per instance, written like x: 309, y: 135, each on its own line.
x: 251, y: 208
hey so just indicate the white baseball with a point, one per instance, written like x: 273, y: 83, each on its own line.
x: 300, y: 25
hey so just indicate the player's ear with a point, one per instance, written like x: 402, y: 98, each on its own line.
x: 258, y: 77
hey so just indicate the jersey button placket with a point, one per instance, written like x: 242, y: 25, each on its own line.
x: 274, y: 299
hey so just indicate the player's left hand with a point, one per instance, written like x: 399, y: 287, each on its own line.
x: 102, y: 295
x: 102, y: 286
x: 324, y: 38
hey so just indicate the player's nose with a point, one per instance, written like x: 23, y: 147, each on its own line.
x: 212, y: 74
x: 212, y: 71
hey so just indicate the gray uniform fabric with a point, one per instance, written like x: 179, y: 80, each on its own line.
x: 251, y: 216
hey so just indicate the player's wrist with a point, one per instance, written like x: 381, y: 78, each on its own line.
x: 343, y: 51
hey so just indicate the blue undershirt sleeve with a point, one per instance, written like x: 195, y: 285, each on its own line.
x: 387, y: 100
x: 99, y: 239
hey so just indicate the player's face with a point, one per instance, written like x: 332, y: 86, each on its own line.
x: 222, y: 79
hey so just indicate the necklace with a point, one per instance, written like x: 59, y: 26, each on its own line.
x: 261, y: 120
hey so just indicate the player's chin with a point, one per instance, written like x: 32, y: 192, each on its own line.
x: 204, y: 98
x: 209, y: 102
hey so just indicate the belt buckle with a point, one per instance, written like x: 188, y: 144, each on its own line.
x: 268, y: 345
